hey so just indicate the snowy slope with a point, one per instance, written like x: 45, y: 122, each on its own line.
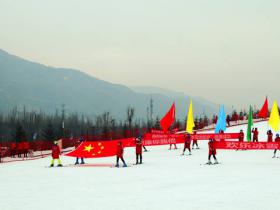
x: 245, y: 180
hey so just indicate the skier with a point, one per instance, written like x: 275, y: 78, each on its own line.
x: 138, y: 150
x: 255, y: 135
x: 81, y: 140
x: 241, y: 136
x: 269, y: 136
x: 277, y: 140
x: 20, y: 149
x: 195, y: 141
x: 187, y: 144
x: 228, y: 120
x: 55, y: 154
x: 120, y: 154
x: 212, y: 151
x: 175, y: 146
x: 13, y: 149
x: 221, y: 132
x: 25, y: 148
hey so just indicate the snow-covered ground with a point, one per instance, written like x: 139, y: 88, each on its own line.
x: 245, y: 180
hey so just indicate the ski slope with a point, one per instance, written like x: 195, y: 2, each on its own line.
x: 244, y: 180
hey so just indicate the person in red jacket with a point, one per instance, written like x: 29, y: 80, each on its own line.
x: 212, y: 151
x: 228, y: 120
x: 255, y: 135
x: 175, y: 146
x: 120, y: 154
x: 269, y: 136
x: 20, y: 149
x: 0, y: 152
x: 25, y: 148
x: 241, y: 136
x: 13, y: 149
x: 55, y: 154
x: 138, y: 150
x: 277, y: 140
x: 187, y: 144
x: 78, y: 143
x: 195, y: 142
x: 222, y: 132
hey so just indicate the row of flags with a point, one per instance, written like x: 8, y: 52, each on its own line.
x: 169, y: 119
x: 274, y: 119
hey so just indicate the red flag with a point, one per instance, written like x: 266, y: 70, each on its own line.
x: 263, y: 113
x: 97, y: 149
x: 168, y: 119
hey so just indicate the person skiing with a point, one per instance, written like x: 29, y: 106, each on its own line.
x: 120, y: 154
x: 81, y: 140
x: 277, y: 140
x: 241, y: 136
x: 212, y: 151
x: 175, y: 146
x: 26, y: 148
x: 187, y: 144
x: 0, y: 152
x: 20, y: 149
x: 13, y: 149
x: 269, y: 136
x: 195, y: 141
x: 255, y: 135
x: 138, y: 150
x: 228, y: 120
x: 55, y: 154
x: 222, y: 133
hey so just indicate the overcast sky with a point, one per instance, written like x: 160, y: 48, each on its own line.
x: 227, y: 51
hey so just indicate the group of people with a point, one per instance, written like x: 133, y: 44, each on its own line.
x: 20, y: 149
x: 187, y: 144
x: 212, y: 151
x: 138, y: 152
x: 256, y: 137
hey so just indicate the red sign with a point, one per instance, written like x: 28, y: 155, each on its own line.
x: 207, y: 136
x: 247, y: 145
x: 153, y: 139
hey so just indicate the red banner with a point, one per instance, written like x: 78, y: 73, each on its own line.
x: 207, y: 136
x: 96, y: 149
x: 228, y: 145
x: 154, y: 139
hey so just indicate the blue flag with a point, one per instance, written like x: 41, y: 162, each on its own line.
x: 221, y: 123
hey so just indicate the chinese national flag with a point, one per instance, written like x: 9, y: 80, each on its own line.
x: 168, y: 119
x: 264, y: 111
x: 98, y: 149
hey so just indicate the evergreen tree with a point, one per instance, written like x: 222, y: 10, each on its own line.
x: 20, y: 134
x: 48, y: 133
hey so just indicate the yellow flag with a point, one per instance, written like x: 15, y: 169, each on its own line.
x: 190, y: 121
x: 274, y: 117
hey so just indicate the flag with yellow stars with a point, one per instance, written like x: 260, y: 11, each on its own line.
x: 97, y: 149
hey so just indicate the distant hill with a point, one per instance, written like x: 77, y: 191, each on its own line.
x: 40, y: 87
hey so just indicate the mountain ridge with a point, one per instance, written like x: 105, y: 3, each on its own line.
x: 41, y: 87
